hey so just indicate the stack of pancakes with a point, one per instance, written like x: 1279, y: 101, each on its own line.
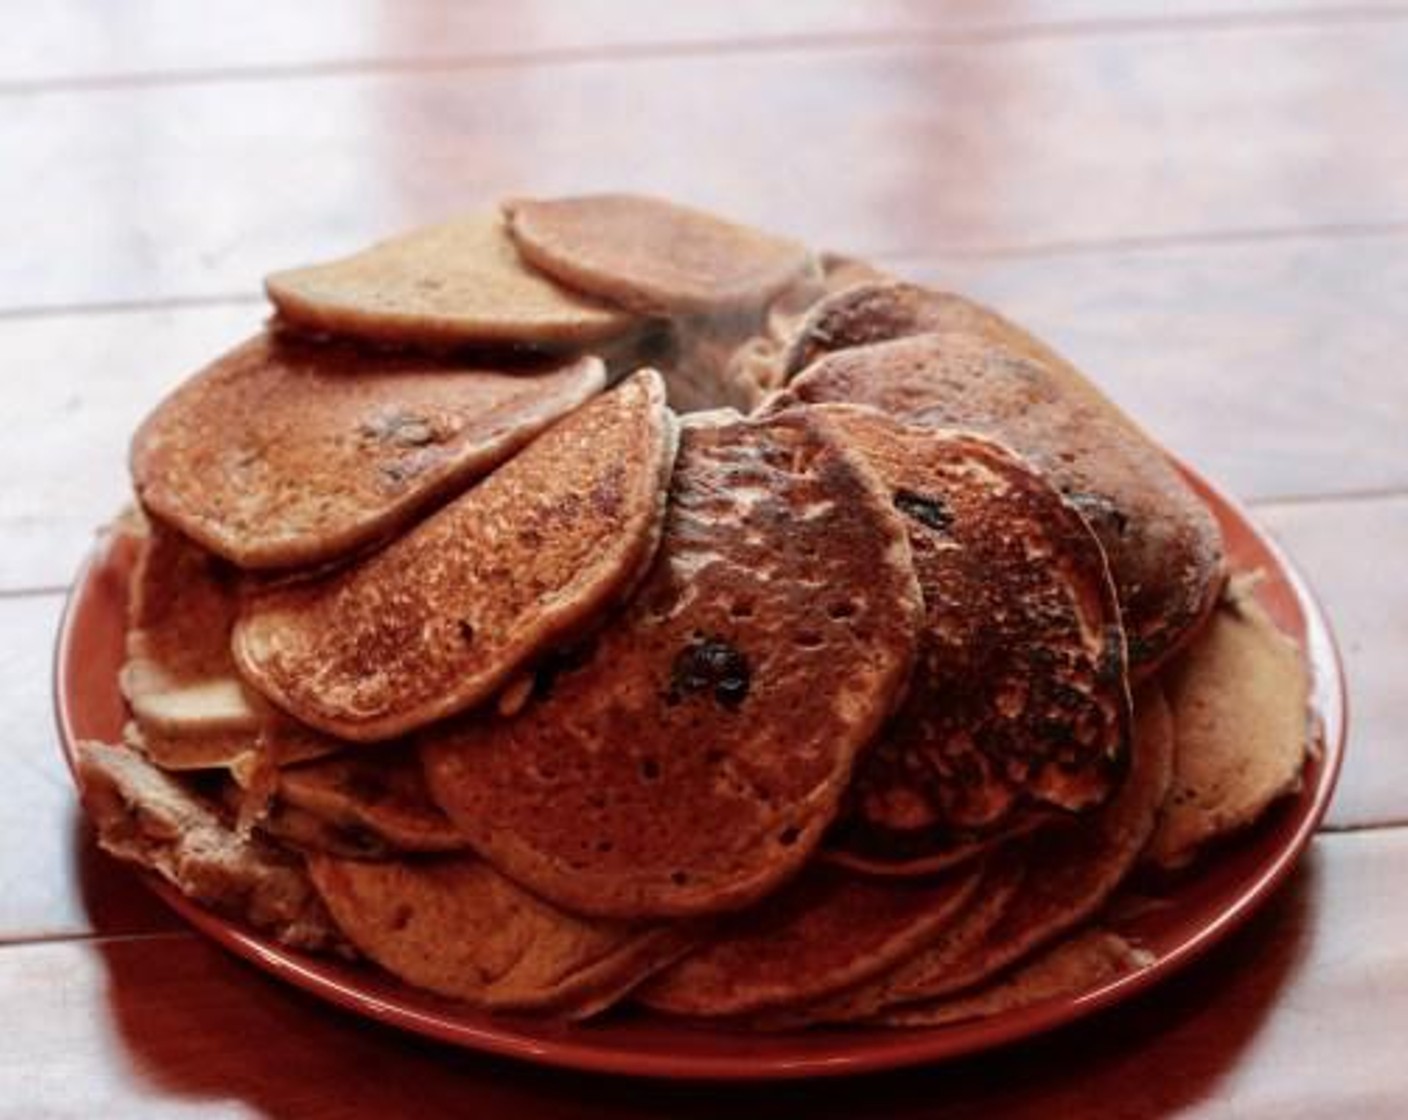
x: 600, y: 601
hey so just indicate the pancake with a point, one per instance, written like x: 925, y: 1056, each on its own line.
x: 956, y: 940
x: 1083, y: 961
x: 1163, y: 545
x: 304, y: 832
x: 277, y: 743
x: 882, y: 309
x: 145, y: 817
x: 653, y: 256
x: 825, y: 932
x: 1069, y: 875
x: 749, y: 367
x: 1018, y: 706
x: 1241, y: 717
x: 439, y: 619
x: 376, y: 793
x: 454, y: 284
x: 692, y: 759
x: 286, y: 453
x: 455, y: 926
x: 190, y: 709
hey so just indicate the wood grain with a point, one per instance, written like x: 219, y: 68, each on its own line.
x: 154, y: 193
x: 83, y: 41
x: 1204, y: 205
x: 53, y: 882
x: 1271, y: 366
x: 1296, y: 1017
x: 1353, y: 551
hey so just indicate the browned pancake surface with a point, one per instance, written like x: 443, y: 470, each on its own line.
x: 1241, y: 713
x: 1069, y: 875
x: 445, y: 614
x: 652, y: 255
x: 457, y: 283
x: 881, y: 309
x: 692, y: 762
x: 1018, y: 704
x: 455, y: 926
x: 826, y: 931
x: 954, y: 941
x: 974, y: 370
x: 286, y: 453
x: 1075, y: 965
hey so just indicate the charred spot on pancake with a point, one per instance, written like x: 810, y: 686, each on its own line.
x: 926, y: 509
x: 1111, y: 667
x: 566, y: 659
x: 710, y: 664
x: 466, y: 629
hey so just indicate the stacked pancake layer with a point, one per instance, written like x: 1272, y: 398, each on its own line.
x: 602, y: 602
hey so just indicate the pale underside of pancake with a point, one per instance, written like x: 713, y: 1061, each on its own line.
x: 190, y: 709
x: 692, y: 760
x: 1078, y: 964
x: 653, y: 256
x: 286, y: 453
x: 1018, y: 705
x: 145, y: 817
x: 444, y: 615
x: 1240, y: 695
x: 370, y: 795
x: 825, y: 932
x: 458, y: 283
x: 1069, y: 875
x: 455, y: 926
x: 937, y: 359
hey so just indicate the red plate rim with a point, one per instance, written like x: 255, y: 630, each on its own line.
x: 705, y: 1054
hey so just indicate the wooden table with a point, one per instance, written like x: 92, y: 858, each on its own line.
x: 1205, y: 205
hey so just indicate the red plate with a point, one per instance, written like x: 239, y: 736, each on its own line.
x: 1198, y: 912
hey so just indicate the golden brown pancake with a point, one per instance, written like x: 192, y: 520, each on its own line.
x: 1018, y: 706
x: 882, y: 309
x: 454, y: 284
x: 825, y: 932
x: 739, y: 367
x: 1070, y: 874
x: 974, y: 370
x: 278, y: 742
x: 191, y: 710
x: 693, y: 759
x: 1081, y: 962
x: 955, y: 940
x: 286, y: 453
x: 377, y: 792
x: 145, y: 817
x: 650, y: 255
x: 455, y: 926
x: 439, y: 619
x: 1241, y: 716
